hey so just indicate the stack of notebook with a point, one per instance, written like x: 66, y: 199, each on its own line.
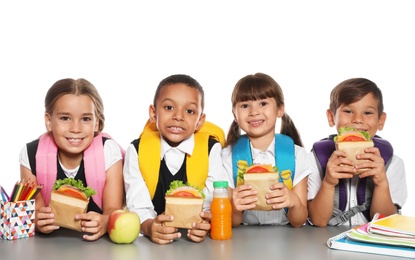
x: 393, y: 235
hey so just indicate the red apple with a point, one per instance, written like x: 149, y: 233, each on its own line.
x: 123, y: 226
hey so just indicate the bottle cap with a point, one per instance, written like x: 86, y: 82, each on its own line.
x: 220, y: 184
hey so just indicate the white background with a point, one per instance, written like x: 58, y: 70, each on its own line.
x: 125, y: 48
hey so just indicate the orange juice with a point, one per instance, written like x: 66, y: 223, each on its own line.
x: 221, y: 209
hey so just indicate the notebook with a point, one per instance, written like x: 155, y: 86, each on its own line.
x: 359, y: 239
x: 361, y: 234
x: 341, y: 242
x: 394, y: 225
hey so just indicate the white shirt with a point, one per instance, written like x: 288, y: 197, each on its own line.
x: 137, y: 195
x: 396, y: 178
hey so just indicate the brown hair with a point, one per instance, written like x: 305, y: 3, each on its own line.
x: 77, y: 87
x: 352, y: 90
x: 255, y: 87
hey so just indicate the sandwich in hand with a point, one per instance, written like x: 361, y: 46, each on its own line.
x: 261, y: 177
x: 185, y: 203
x: 69, y: 197
x: 353, y: 142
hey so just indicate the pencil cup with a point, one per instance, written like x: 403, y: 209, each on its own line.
x: 17, y: 219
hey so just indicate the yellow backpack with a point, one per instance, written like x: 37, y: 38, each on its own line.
x: 197, y: 164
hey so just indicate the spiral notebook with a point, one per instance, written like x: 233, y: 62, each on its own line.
x: 345, y: 243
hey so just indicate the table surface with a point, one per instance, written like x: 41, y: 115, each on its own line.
x: 248, y: 242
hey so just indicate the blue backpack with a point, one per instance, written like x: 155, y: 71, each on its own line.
x: 284, y: 154
x: 323, y: 150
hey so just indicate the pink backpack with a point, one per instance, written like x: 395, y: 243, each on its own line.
x: 94, y: 163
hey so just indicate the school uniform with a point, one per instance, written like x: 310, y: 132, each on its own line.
x: 172, y: 167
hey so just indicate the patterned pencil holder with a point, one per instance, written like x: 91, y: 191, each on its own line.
x: 17, y: 219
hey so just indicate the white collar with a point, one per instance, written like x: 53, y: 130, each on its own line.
x: 256, y: 152
x: 70, y: 173
x: 186, y: 146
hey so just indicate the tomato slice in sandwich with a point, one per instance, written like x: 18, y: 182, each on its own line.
x: 185, y: 192
x: 351, y: 137
x: 351, y: 134
x: 72, y: 192
x: 180, y: 189
x: 260, y: 168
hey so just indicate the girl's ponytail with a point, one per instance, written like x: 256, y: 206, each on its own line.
x: 233, y: 134
x: 288, y: 128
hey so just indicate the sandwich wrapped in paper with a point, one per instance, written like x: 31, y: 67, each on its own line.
x: 260, y: 177
x: 353, y: 142
x: 185, y: 203
x: 69, y: 197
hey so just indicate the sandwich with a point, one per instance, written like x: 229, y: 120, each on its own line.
x: 353, y: 142
x: 185, y: 203
x: 68, y: 198
x: 260, y: 177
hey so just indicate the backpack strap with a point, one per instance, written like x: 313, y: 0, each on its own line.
x: 284, y: 156
x: 323, y: 150
x: 385, y: 148
x: 241, y: 150
x: 342, y: 217
x: 46, y: 168
x: 94, y: 163
x: 197, y: 164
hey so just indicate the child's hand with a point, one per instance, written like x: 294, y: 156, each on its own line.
x: 376, y: 165
x: 93, y: 224
x: 161, y: 234
x: 338, y: 167
x: 281, y: 196
x: 44, y: 220
x: 200, y: 229
x: 243, y: 198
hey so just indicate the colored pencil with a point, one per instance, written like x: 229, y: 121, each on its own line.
x: 19, y: 191
x: 37, y: 190
x: 13, y: 194
x: 31, y: 194
x: 4, y: 196
x: 25, y: 189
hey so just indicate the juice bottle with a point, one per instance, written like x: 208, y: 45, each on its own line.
x: 221, y: 209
